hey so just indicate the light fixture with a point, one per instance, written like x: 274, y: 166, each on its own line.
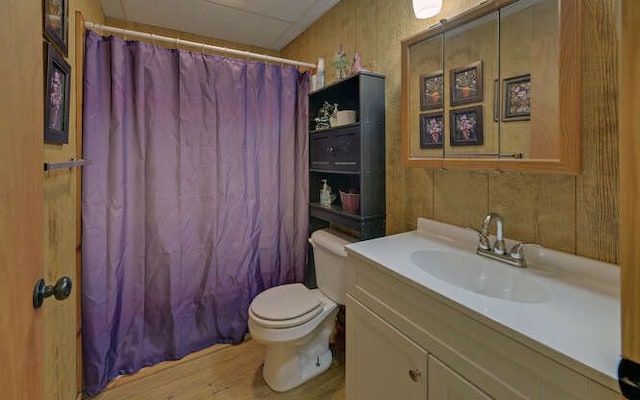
x: 426, y: 8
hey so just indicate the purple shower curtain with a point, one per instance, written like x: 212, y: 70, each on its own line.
x: 195, y: 202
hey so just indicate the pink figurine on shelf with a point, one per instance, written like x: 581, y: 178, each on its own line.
x: 356, y: 67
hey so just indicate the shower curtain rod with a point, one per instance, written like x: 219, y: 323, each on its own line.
x: 177, y: 42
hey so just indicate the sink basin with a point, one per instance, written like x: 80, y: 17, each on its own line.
x: 482, y: 276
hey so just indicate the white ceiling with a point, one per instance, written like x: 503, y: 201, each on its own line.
x: 271, y: 24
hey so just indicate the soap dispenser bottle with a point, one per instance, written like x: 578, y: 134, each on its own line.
x: 325, y: 194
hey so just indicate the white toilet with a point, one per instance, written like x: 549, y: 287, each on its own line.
x: 295, y: 322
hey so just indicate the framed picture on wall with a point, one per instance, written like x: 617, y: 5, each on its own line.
x: 517, y: 98
x: 432, y: 90
x: 466, y: 84
x: 466, y: 126
x: 431, y: 130
x: 56, y: 23
x: 56, y: 100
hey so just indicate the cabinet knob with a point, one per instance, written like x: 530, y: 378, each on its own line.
x: 415, y: 374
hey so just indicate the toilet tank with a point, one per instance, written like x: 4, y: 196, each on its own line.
x: 330, y: 262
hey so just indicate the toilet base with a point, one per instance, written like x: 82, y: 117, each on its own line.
x: 288, y: 365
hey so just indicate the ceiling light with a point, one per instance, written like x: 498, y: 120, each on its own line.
x: 426, y: 8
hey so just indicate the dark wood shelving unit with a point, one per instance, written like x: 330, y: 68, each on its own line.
x: 350, y: 157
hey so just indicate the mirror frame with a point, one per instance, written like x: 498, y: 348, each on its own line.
x: 570, y: 96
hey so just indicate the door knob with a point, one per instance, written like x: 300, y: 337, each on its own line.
x: 61, y: 290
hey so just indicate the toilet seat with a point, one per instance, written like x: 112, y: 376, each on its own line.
x: 285, y: 306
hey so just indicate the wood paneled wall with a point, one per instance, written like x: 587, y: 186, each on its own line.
x: 573, y: 214
x: 61, y: 213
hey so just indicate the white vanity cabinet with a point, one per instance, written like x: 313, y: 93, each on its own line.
x: 389, y: 365
x: 405, y: 341
x: 392, y: 366
x: 445, y: 384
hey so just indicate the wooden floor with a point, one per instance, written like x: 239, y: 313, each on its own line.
x: 223, y: 372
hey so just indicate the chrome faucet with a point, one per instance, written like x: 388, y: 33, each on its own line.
x: 515, y: 257
x: 498, y: 246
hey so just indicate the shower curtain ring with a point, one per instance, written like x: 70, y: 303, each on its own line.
x: 202, y: 48
x: 153, y: 42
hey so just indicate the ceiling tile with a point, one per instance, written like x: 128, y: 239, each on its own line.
x: 112, y: 8
x: 207, y: 19
x: 284, y: 10
x: 270, y: 24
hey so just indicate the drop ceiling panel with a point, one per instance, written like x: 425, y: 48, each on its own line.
x: 207, y: 19
x: 266, y: 23
x: 284, y: 10
x: 111, y: 8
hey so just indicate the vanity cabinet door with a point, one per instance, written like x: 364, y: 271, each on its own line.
x: 382, y: 363
x: 445, y: 384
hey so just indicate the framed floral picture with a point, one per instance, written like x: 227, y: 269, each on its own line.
x: 55, y: 23
x: 466, y: 84
x: 432, y: 90
x: 431, y: 130
x: 56, y: 111
x: 466, y: 126
x: 517, y: 98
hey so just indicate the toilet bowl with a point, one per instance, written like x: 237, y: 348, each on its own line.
x: 295, y: 322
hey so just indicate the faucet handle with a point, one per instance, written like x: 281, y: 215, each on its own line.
x: 483, y: 239
x: 517, y: 251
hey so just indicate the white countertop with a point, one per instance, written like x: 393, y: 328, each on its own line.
x: 580, y: 324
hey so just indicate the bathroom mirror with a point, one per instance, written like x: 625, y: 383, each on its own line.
x: 497, y: 87
x: 427, y: 99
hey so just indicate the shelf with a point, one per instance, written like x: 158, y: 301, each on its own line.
x: 334, y: 129
x: 361, y: 73
x: 333, y: 171
x: 369, y: 226
x: 337, y: 210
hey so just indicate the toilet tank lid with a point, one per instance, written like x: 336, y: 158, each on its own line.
x: 331, y: 240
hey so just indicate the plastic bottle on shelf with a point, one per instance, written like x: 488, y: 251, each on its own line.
x: 320, y: 73
x: 325, y: 194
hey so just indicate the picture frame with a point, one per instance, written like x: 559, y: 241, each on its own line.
x: 56, y: 100
x: 432, y: 90
x: 466, y: 128
x: 466, y: 84
x: 431, y: 130
x: 517, y: 98
x: 55, y: 23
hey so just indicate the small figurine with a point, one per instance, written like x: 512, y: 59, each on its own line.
x: 356, y: 67
x: 340, y: 63
x: 326, y: 112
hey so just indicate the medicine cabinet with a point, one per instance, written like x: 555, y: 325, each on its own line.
x: 496, y: 88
